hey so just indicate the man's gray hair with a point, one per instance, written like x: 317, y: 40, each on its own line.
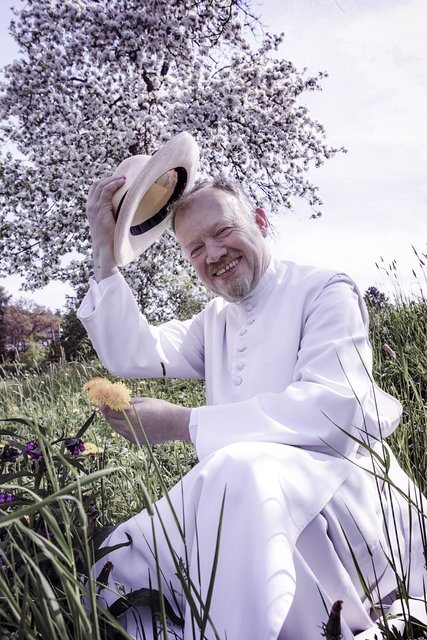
x: 221, y: 184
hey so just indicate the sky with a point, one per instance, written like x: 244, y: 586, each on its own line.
x: 373, y: 103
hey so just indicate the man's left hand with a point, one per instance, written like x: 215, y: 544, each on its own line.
x: 161, y: 420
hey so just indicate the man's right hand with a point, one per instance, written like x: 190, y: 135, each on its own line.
x: 99, y: 211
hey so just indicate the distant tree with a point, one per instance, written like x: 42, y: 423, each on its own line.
x: 74, y: 343
x: 159, y: 296
x: 33, y: 354
x: 375, y: 298
x: 24, y: 319
x: 4, y: 300
x: 17, y: 326
x: 98, y: 81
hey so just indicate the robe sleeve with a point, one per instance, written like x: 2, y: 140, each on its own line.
x: 332, y: 395
x: 129, y: 346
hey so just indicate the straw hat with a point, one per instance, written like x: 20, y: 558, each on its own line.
x: 140, y: 206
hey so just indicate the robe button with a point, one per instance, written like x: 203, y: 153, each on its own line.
x: 238, y: 381
x: 242, y: 348
x: 249, y: 307
x: 243, y: 332
x: 240, y: 366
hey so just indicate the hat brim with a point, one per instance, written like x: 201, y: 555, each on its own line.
x: 134, y: 235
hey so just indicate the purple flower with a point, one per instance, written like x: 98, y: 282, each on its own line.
x: 74, y: 445
x: 9, y: 454
x: 6, y: 497
x: 32, y: 449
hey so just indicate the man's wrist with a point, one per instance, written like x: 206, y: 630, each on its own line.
x: 100, y: 271
x: 181, y: 423
x: 104, y: 266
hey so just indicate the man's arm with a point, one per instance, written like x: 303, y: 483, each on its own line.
x: 160, y: 420
x: 123, y: 339
x: 130, y: 347
x: 331, y: 398
x: 101, y: 223
x: 127, y: 345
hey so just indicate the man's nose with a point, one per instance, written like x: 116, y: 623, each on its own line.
x: 214, y: 251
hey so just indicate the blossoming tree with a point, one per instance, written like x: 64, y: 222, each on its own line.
x: 98, y: 80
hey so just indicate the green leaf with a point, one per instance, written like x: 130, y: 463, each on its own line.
x: 86, y: 425
x: 7, y: 432
x: 67, y: 491
x: 8, y: 477
x: 101, y: 553
x: 144, y: 598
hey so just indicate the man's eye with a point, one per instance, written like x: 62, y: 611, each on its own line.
x: 196, y: 251
x: 224, y: 231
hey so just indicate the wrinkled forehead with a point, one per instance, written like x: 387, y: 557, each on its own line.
x: 207, y: 210
x: 207, y: 206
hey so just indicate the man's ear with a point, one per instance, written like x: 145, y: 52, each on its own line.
x: 262, y: 221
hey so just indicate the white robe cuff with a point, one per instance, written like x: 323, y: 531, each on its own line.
x: 193, y: 424
x: 95, y: 293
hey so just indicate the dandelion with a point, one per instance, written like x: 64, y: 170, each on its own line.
x: 118, y: 397
x: 90, y: 384
x: 115, y: 395
x: 92, y: 450
x: 97, y: 389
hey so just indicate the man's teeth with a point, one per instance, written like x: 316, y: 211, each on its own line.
x: 227, y: 267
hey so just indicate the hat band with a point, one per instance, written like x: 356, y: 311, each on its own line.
x: 143, y: 227
x: 157, y: 218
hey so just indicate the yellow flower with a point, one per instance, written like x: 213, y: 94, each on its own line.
x: 92, y: 383
x: 97, y: 389
x: 115, y: 395
x: 91, y: 449
x: 118, y: 397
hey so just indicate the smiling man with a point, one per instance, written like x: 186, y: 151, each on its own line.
x: 227, y: 250
x: 290, y: 410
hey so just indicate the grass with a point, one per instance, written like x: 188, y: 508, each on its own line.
x: 59, y: 498
x: 399, y: 342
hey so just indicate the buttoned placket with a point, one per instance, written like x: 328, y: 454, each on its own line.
x: 242, y: 334
x: 243, y: 341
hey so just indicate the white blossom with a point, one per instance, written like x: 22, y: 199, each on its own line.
x: 97, y: 81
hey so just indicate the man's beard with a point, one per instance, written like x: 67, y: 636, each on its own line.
x: 237, y: 290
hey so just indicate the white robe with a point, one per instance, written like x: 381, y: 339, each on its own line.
x: 289, y: 394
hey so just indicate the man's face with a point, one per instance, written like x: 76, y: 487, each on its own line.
x: 227, y: 250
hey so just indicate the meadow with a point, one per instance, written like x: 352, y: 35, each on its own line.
x: 65, y: 476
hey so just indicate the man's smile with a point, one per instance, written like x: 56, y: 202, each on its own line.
x: 227, y: 267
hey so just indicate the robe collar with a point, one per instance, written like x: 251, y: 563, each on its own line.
x: 265, y: 284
